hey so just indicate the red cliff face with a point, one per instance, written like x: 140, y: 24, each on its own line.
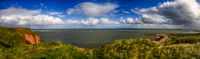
x: 31, y: 38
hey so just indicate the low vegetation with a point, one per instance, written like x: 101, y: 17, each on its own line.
x: 10, y: 37
x: 183, y: 38
x: 177, y: 46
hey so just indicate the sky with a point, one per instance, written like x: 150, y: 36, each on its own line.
x: 184, y: 14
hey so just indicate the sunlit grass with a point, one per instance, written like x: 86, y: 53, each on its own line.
x: 176, y: 47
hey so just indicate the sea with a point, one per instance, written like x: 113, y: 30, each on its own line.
x: 90, y: 38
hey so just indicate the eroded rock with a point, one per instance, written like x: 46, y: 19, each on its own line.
x: 159, y: 37
x: 31, y: 38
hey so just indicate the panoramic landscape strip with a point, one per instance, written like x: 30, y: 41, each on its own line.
x: 22, y: 43
x: 99, y: 29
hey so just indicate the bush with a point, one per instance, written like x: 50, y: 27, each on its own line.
x: 180, y: 39
x: 9, y: 37
x: 127, y: 49
x: 179, y: 51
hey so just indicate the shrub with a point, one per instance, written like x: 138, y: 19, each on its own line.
x: 180, y: 39
x: 127, y: 49
x: 179, y: 51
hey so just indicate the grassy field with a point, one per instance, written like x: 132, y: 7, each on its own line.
x: 177, y: 46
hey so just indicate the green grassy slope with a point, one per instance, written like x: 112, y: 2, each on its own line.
x: 176, y: 47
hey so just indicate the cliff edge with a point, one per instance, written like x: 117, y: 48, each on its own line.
x: 10, y: 36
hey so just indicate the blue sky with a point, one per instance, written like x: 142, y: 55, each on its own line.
x: 63, y: 5
x: 99, y: 13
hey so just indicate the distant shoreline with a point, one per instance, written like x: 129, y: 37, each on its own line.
x: 110, y: 29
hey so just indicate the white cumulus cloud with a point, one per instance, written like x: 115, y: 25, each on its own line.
x: 130, y: 20
x: 154, y: 19
x: 23, y: 17
x: 92, y: 9
x: 92, y: 21
x: 18, y: 11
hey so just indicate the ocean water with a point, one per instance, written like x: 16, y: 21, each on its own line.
x: 97, y: 37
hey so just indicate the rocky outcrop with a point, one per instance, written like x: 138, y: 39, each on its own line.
x: 31, y: 38
x: 159, y: 38
x: 17, y: 37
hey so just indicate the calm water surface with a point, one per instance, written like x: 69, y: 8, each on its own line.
x: 94, y: 38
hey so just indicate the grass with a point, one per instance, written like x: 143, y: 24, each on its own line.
x: 178, y: 46
x: 183, y: 38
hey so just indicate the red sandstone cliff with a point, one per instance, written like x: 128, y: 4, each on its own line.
x: 31, y: 38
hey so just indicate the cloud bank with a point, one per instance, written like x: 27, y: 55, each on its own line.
x: 178, y: 12
x: 93, y: 21
x: 170, y: 14
x: 35, y: 19
x: 23, y: 17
